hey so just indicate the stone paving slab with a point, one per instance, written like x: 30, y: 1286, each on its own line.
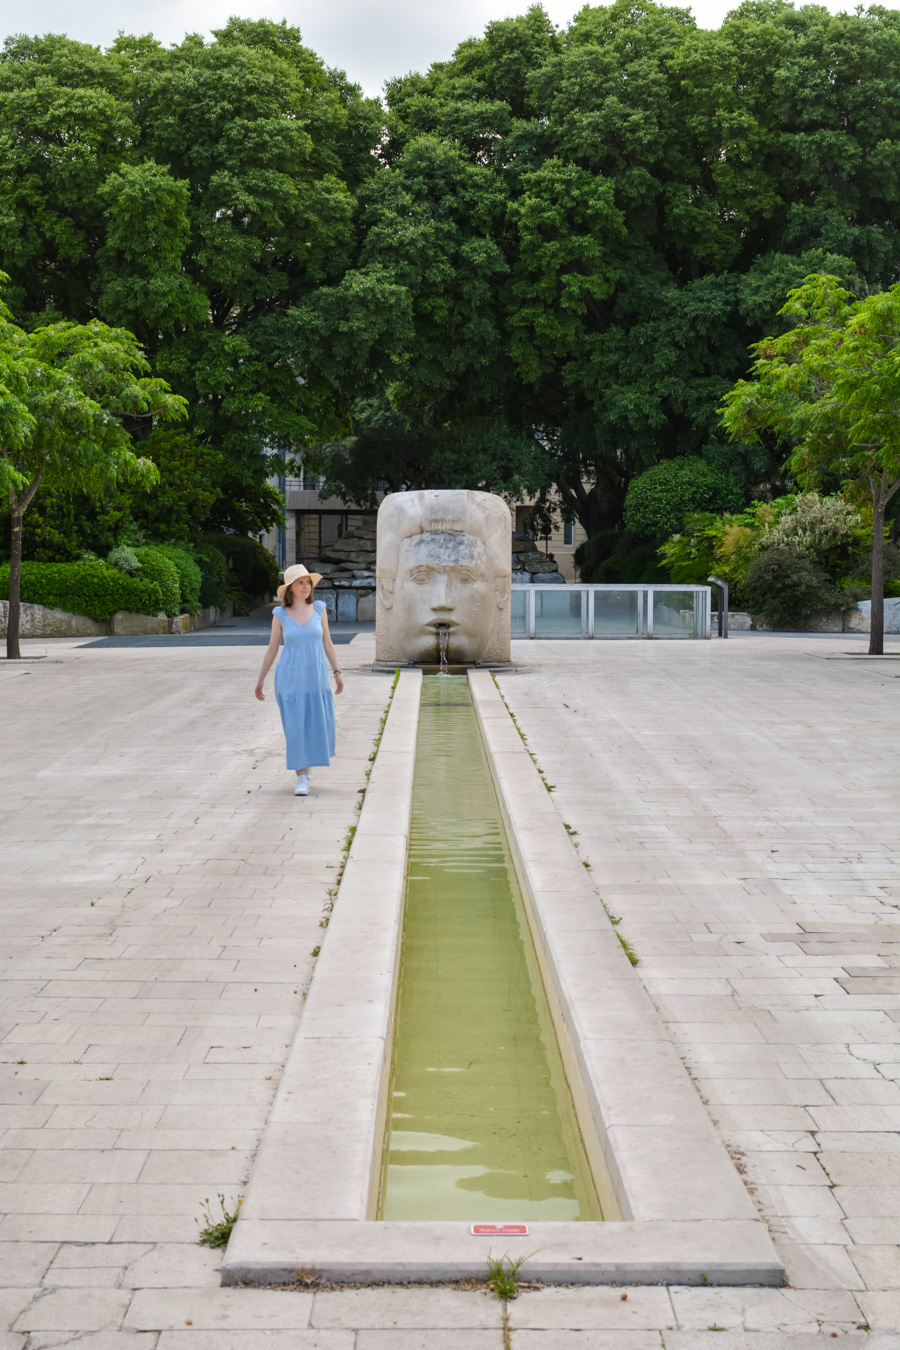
x: 262, y: 1340
x: 778, y: 1340
x: 586, y: 1340
x: 405, y: 1307
x: 593, y: 1309
x: 97, y: 1340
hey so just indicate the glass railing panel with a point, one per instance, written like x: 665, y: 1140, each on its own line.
x: 675, y: 614
x: 518, y: 613
x: 617, y: 614
x: 560, y: 613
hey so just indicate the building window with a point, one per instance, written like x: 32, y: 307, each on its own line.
x: 318, y: 530
x: 569, y: 533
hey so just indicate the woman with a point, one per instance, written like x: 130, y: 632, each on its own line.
x: 301, y: 678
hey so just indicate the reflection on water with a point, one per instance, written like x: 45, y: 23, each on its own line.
x: 482, y: 1126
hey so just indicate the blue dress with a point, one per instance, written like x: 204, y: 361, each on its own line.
x: 301, y: 687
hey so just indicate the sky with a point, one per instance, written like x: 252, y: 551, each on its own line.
x: 370, y: 41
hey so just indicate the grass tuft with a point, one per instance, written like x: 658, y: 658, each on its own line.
x: 216, y: 1232
x: 628, y: 950
x: 503, y: 1275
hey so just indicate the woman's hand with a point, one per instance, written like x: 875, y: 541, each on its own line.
x: 269, y: 657
x: 338, y: 684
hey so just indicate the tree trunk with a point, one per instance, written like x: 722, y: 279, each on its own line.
x: 876, y: 622
x: 586, y: 504
x: 17, y: 508
x: 15, y: 587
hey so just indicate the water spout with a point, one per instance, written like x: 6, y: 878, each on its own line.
x: 443, y: 632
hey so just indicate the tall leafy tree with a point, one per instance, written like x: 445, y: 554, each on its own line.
x: 64, y: 392
x: 593, y: 225
x: 830, y: 387
x: 198, y: 196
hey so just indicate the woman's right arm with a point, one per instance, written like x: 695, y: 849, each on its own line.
x: 269, y: 657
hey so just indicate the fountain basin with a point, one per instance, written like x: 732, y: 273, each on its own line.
x: 685, y: 1215
x: 481, y: 1124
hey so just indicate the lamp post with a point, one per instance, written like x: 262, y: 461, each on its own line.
x: 723, y: 604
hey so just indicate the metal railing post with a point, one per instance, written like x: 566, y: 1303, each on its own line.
x: 723, y: 604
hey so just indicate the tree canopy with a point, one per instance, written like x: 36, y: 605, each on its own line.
x: 593, y: 224
x: 830, y: 388
x: 65, y: 392
x: 197, y: 196
x: 540, y: 268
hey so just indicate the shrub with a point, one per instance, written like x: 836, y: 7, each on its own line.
x: 249, y: 564
x: 213, y: 575
x: 238, y: 599
x: 785, y: 588
x: 658, y: 501
x: 819, y: 527
x: 91, y: 588
x: 815, y: 525
x: 124, y: 558
x: 189, y: 575
x: 155, y: 566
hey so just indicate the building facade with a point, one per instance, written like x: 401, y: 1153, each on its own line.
x: 313, y: 524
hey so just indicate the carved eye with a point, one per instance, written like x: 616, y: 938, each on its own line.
x: 421, y: 576
x: 466, y: 578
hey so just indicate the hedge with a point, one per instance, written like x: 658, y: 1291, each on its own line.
x: 189, y: 576
x: 156, y: 566
x: 91, y: 588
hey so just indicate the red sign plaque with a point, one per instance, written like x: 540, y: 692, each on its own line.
x: 499, y: 1229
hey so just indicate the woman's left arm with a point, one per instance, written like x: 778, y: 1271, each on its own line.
x: 331, y: 654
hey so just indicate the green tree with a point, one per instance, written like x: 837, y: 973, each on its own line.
x: 201, y: 196
x: 179, y: 504
x: 63, y: 525
x: 64, y: 390
x: 592, y: 226
x: 830, y: 387
x: 386, y: 453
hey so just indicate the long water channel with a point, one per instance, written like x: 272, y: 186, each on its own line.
x: 481, y: 1125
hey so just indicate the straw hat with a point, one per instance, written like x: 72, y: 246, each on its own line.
x: 292, y: 574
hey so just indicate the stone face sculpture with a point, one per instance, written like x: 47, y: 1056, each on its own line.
x: 442, y: 567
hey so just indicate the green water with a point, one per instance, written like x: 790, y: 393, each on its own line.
x: 481, y: 1125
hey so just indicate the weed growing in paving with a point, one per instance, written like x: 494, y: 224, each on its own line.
x: 615, y: 920
x: 503, y: 1275
x: 628, y: 950
x: 217, y: 1231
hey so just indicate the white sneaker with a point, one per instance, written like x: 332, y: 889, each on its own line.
x: 302, y: 788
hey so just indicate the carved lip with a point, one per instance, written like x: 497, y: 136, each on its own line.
x: 436, y: 625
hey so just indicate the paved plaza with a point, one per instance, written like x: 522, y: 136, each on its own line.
x: 163, y: 893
